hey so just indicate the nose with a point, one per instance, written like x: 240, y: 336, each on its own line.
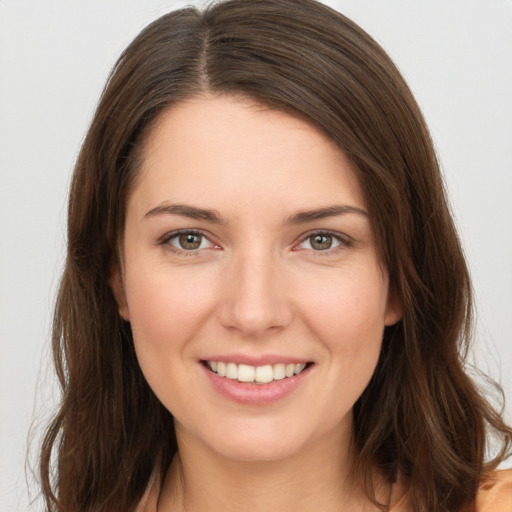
x: 256, y: 300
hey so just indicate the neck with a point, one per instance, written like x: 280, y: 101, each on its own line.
x: 317, y: 478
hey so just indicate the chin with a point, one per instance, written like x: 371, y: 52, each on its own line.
x: 262, y: 451
x: 258, y: 440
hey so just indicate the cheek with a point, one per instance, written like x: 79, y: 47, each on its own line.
x: 348, y: 313
x: 160, y: 298
x: 166, y: 310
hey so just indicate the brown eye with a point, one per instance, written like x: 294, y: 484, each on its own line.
x: 190, y: 241
x: 321, y: 242
x: 187, y: 242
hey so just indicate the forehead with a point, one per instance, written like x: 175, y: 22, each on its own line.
x: 211, y: 148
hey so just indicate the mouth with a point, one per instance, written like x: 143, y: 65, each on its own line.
x: 256, y: 374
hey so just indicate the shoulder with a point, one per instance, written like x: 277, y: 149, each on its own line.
x: 495, y: 493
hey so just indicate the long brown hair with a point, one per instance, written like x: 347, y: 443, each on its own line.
x: 421, y: 416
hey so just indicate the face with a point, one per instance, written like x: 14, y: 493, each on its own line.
x: 250, y: 278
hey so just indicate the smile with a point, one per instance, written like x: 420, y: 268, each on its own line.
x: 257, y: 374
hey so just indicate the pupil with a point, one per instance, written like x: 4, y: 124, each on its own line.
x: 322, y: 242
x: 190, y: 241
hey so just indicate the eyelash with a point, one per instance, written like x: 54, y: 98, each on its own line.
x: 344, y: 242
x: 166, y: 239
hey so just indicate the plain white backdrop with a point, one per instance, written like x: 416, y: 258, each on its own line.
x: 54, y: 59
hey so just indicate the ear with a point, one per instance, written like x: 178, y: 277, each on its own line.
x: 394, y: 308
x: 116, y: 284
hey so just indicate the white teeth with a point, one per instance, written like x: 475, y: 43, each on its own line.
x: 264, y: 374
x: 299, y: 368
x: 279, y: 372
x: 232, y: 371
x: 221, y: 369
x: 259, y: 374
x: 246, y: 373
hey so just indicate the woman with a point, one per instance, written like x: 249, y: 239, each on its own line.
x: 265, y: 304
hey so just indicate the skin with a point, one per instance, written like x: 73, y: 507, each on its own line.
x: 257, y: 285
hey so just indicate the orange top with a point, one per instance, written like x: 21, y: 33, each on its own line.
x: 495, y: 495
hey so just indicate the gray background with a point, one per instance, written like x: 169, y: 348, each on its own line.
x: 54, y: 58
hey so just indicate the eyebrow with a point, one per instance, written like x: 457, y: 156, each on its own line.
x: 212, y: 216
x: 305, y: 216
x: 184, y: 210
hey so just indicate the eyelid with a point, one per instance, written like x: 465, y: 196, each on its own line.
x: 164, y: 240
x: 345, y: 241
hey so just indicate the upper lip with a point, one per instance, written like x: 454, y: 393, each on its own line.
x: 259, y: 360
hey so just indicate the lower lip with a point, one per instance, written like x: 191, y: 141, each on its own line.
x: 255, y: 394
